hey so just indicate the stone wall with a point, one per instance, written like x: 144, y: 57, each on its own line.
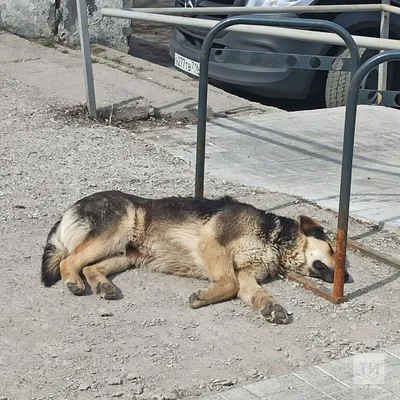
x: 58, y: 19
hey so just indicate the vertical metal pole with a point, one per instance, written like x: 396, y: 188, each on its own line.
x: 384, y: 34
x: 86, y: 57
x: 345, y: 189
x: 202, y: 120
x: 347, y: 165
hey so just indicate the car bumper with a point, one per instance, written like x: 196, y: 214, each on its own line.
x: 263, y: 80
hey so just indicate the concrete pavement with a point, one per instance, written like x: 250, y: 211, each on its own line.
x: 299, y: 153
x: 132, y: 85
x: 367, y: 376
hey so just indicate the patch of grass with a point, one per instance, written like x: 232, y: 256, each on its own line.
x: 47, y: 42
x: 117, y: 60
x: 98, y: 50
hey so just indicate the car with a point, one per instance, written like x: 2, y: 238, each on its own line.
x: 282, y: 82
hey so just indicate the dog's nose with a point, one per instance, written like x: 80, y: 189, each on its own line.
x: 346, y: 276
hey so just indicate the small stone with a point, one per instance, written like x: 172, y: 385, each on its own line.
x: 84, y: 386
x: 278, y: 348
x: 223, y: 382
x: 117, y: 394
x: 104, y: 313
x: 114, y: 381
x: 326, y: 350
x: 252, y: 372
x: 371, y: 344
x: 137, y: 390
x: 87, y: 349
x: 131, y: 377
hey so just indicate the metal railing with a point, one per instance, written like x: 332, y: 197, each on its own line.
x: 270, y: 10
x: 309, y: 36
x: 347, y: 160
x: 204, y: 61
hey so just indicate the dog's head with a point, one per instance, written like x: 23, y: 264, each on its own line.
x: 318, y: 250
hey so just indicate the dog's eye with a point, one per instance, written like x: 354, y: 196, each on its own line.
x: 319, y: 265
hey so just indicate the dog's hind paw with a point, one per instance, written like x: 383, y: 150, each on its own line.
x: 76, y: 288
x: 107, y: 291
x: 275, y: 313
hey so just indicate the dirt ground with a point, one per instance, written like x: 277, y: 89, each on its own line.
x: 149, y: 344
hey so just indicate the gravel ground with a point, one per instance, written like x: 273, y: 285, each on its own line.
x: 149, y: 344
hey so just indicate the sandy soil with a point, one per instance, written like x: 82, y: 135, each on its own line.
x: 148, y: 344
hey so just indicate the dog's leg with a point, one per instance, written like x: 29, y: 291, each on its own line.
x: 219, y: 263
x: 259, y: 300
x: 96, y: 275
x: 86, y: 253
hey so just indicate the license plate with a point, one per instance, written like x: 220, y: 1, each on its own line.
x: 187, y: 65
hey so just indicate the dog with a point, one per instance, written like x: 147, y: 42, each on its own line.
x: 232, y: 244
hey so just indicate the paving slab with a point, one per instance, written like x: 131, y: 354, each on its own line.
x: 299, y: 153
x: 119, y: 79
x: 369, y: 376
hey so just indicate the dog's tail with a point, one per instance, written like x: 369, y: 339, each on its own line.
x: 53, y: 254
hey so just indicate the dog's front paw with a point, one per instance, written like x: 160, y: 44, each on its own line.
x: 274, y: 312
x: 194, y: 300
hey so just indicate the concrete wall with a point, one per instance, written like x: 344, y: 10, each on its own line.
x: 58, y: 19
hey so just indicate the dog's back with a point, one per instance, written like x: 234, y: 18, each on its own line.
x: 166, y: 230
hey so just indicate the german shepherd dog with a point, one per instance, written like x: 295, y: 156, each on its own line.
x: 234, y: 245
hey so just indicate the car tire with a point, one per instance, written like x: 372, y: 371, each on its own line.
x: 338, y: 82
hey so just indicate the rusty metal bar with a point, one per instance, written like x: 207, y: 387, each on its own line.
x: 376, y: 255
x: 320, y: 290
x: 327, y: 294
x: 347, y: 165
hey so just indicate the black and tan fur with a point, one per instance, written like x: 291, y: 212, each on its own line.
x: 234, y: 245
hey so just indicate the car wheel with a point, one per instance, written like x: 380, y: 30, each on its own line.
x: 338, y: 82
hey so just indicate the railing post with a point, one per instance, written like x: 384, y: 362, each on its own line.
x: 86, y: 57
x: 347, y: 165
x: 384, y: 34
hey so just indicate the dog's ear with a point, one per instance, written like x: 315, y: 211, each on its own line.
x: 309, y: 226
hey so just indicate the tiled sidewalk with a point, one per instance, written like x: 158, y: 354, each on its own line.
x: 366, y: 376
x: 300, y: 153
